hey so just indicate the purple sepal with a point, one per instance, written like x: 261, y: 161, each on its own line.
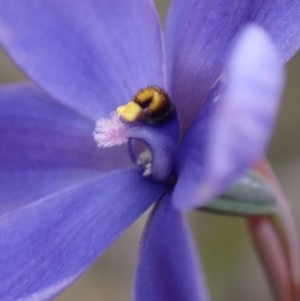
x: 168, y: 267
x: 199, y: 35
x: 49, y: 243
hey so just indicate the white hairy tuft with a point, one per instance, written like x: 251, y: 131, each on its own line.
x: 110, y: 131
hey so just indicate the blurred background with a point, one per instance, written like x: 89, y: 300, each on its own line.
x: 229, y: 261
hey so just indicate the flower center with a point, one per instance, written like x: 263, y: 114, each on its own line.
x: 150, y: 124
x: 151, y: 105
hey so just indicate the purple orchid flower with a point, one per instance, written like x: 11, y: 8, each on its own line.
x: 63, y: 201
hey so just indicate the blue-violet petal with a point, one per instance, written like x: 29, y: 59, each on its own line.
x: 45, y: 147
x: 85, y: 52
x: 232, y: 130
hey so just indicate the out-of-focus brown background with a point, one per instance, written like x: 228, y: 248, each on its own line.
x: 232, y: 269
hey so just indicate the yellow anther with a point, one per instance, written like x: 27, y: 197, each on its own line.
x: 130, y: 112
x: 153, y: 99
x: 158, y: 101
x: 144, y: 95
x: 151, y: 105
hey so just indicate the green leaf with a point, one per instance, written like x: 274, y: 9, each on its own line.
x: 248, y: 196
